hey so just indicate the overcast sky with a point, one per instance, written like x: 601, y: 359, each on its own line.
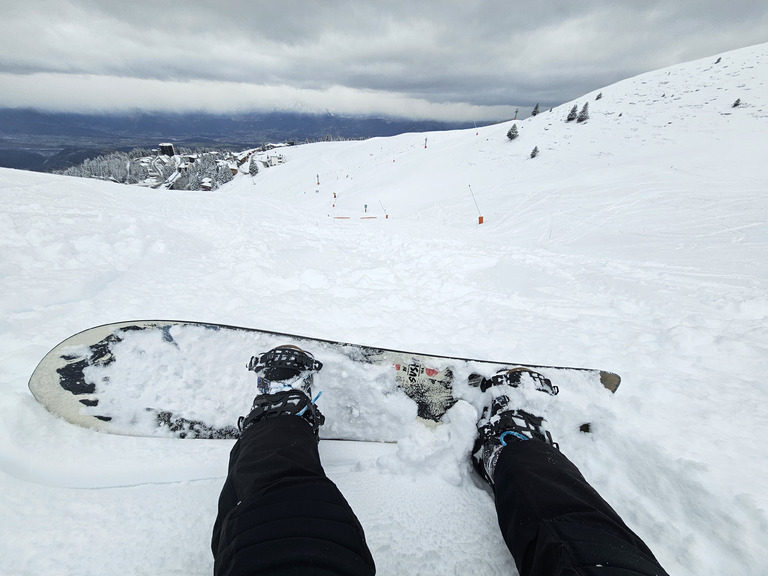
x: 458, y: 60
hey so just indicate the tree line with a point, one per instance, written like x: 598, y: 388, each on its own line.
x: 188, y: 170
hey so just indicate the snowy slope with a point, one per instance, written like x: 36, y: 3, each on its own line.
x: 634, y: 242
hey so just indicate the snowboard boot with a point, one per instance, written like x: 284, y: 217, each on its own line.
x: 284, y: 387
x: 500, y: 425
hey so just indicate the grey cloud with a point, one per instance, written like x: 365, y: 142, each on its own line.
x: 486, y: 53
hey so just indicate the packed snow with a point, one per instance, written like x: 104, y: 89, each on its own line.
x: 635, y: 242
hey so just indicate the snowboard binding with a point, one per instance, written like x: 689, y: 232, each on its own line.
x: 285, y: 403
x: 284, y: 367
x: 513, y: 378
x: 500, y: 425
x: 285, y: 377
x: 503, y: 424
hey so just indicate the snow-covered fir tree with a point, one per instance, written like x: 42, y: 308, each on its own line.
x: 116, y: 167
x: 185, y: 171
x: 584, y: 114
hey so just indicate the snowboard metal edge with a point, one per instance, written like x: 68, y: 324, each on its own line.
x: 609, y: 380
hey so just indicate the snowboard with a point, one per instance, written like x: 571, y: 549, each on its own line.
x: 189, y: 380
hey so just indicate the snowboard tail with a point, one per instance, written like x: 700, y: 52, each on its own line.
x: 190, y: 380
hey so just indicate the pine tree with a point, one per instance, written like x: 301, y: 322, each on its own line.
x: 137, y: 172
x: 535, y: 152
x: 535, y: 110
x: 223, y: 174
x: 572, y: 114
x: 584, y: 114
x: 737, y: 103
x: 253, y: 167
x: 599, y: 96
x: 512, y: 134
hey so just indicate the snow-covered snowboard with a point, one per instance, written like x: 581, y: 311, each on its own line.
x: 189, y: 380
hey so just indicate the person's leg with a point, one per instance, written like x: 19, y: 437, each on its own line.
x: 555, y: 523
x: 278, y: 512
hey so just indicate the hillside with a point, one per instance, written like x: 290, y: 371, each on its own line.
x: 634, y: 242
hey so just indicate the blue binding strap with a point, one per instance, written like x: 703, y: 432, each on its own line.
x: 510, y: 432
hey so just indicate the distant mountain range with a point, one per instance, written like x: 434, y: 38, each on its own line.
x: 46, y: 141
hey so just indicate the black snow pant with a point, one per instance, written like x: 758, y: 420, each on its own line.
x: 555, y: 523
x: 280, y: 514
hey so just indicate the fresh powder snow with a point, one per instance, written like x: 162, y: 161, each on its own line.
x: 636, y: 242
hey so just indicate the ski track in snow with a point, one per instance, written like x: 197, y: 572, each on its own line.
x: 635, y: 242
